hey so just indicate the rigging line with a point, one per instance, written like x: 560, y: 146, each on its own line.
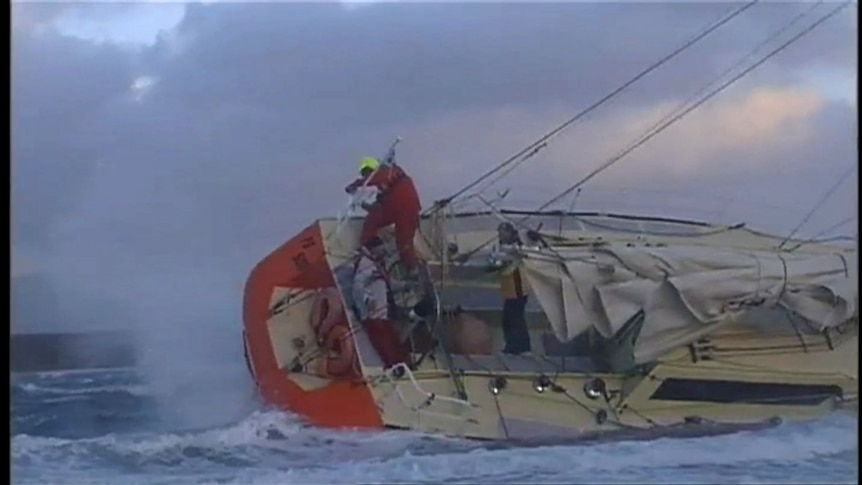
x: 824, y: 231
x: 818, y: 204
x: 723, y: 74
x: 733, y: 67
x: 682, y: 114
x: 571, y: 209
x: 696, y: 105
x: 538, y: 144
x: 712, y: 83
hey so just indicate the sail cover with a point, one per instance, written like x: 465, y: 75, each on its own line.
x: 685, y: 291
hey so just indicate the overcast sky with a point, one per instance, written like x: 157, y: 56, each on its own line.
x: 160, y: 150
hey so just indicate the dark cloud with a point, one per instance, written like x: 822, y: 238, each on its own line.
x: 59, y: 88
x: 388, y: 64
x: 258, y: 113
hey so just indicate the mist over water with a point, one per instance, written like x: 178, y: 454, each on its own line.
x: 195, y: 369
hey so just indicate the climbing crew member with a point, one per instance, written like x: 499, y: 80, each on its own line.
x: 397, y: 203
x: 371, y: 298
x: 514, y: 291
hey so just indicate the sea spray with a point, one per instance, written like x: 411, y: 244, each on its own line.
x: 190, y: 353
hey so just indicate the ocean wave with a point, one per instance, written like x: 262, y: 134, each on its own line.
x: 110, y: 429
x: 274, y: 430
x: 275, y: 447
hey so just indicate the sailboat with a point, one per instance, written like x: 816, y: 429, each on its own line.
x: 642, y: 326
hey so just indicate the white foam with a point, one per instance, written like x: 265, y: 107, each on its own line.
x: 55, y: 374
x: 252, y: 430
x: 136, y: 390
x: 786, y: 444
x: 282, y: 450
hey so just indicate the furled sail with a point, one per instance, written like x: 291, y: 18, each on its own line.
x: 684, y: 291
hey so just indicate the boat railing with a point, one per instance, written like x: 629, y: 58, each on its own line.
x: 440, y: 331
x: 394, y: 374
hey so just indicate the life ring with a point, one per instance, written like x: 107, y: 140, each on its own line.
x: 340, y: 357
x: 326, y: 311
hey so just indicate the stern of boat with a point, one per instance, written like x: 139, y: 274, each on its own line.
x: 286, y: 296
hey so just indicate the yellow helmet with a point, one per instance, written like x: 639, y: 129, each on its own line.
x: 368, y: 163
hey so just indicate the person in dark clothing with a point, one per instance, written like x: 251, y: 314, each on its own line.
x: 513, y: 288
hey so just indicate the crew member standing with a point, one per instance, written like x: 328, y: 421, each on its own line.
x: 513, y: 287
x: 397, y: 203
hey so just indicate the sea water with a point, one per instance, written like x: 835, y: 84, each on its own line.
x: 115, y: 427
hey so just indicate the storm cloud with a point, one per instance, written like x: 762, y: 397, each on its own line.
x: 159, y: 167
x: 154, y: 175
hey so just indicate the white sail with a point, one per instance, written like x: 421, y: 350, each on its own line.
x: 685, y: 291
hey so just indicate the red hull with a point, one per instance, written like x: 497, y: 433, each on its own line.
x: 299, y: 263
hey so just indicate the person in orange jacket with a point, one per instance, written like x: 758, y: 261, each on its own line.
x: 397, y: 203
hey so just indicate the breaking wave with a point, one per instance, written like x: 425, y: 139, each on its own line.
x: 131, y: 446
